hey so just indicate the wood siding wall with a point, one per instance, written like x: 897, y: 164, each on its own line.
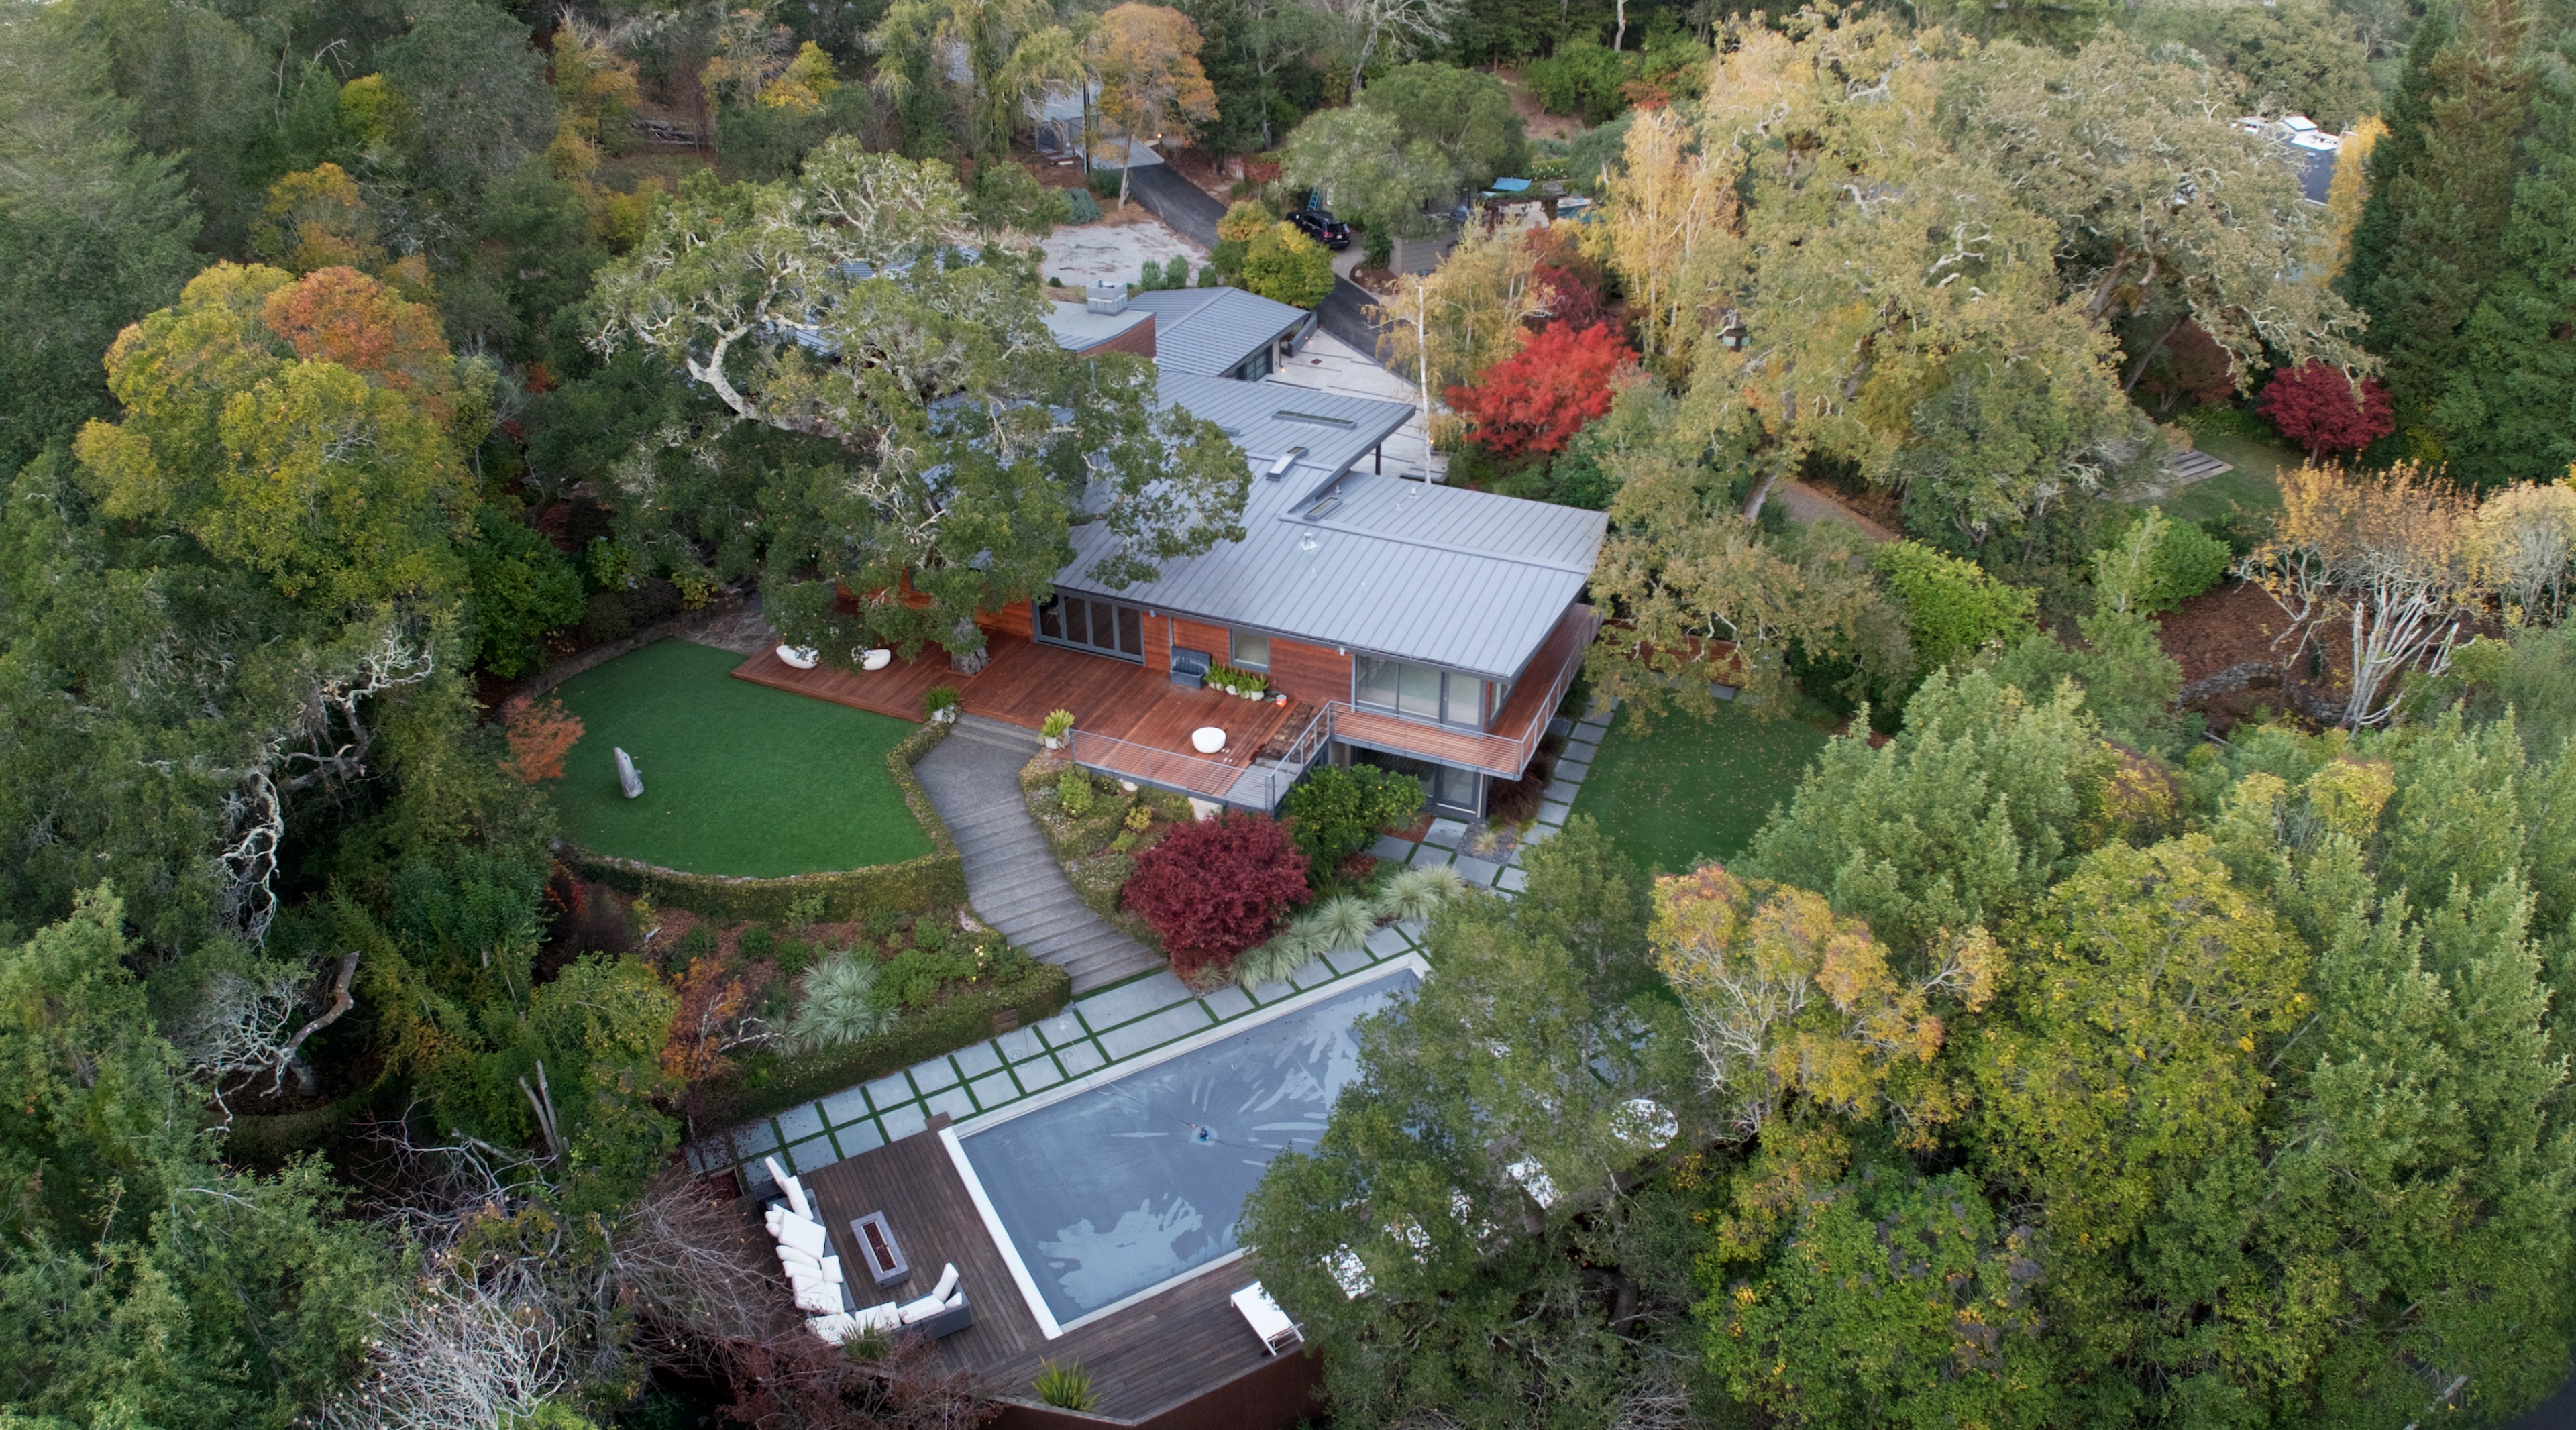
x: 1012, y: 619
x: 1198, y: 635
x: 1304, y: 672
x: 1309, y: 672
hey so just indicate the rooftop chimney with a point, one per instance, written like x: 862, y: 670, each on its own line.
x: 1105, y: 297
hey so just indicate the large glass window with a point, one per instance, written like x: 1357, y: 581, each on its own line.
x: 1424, y: 692
x: 1251, y: 652
x: 1104, y: 626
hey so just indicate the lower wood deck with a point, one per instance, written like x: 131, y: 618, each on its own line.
x: 1143, y: 1360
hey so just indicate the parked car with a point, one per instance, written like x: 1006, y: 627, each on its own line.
x: 1322, y: 227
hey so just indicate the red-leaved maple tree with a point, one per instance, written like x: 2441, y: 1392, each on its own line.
x: 2319, y: 408
x: 1215, y: 887
x: 1538, y: 398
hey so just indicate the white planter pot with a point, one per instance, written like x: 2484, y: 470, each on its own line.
x: 1052, y: 742
x: 947, y: 716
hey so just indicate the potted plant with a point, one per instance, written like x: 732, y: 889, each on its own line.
x: 941, y: 703
x: 1057, y: 724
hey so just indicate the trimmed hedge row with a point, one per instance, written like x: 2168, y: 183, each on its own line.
x: 965, y: 1016
x: 933, y: 883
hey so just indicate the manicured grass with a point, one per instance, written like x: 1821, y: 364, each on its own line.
x: 1694, y: 789
x: 738, y: 779
x: 2254, y: 486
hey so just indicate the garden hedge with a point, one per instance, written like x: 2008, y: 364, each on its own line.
x: 933, y: 883
x: 963, y: 1017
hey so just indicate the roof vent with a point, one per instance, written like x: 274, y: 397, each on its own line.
x: 1105, y: 297
x: 1286, y: 460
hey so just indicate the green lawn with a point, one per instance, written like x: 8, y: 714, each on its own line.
x: 1694, y: 789
x: 2254, y: 485
x: 738, y: 779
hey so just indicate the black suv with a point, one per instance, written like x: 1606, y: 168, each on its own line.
x: 1322, y: 227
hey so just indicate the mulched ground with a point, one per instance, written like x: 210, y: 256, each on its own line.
x: 2228, y: 625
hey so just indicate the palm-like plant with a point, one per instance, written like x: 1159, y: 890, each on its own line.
x: 1066, y: 1387
x: 1413, y: 893
x: 839, y: 1006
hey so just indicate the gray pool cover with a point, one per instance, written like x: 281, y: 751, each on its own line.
x: 1131, y: 1183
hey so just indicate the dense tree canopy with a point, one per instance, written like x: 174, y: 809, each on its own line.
x: 860, y: 307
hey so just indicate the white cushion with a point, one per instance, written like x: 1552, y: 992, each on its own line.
x: 834, y: 1328
x: 947, y: 1282
x: 790, y: 1188
x: 879, y: 1318
x: 796, y: 1256
x: 808, y: 1237
x: 816, y: 1297
x: 923, y: 1309
x: 832, y: 1270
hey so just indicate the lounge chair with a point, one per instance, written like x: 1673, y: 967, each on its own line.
x: 1268, y: 1322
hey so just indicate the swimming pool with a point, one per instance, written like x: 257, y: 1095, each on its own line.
x: 1132, y: 1179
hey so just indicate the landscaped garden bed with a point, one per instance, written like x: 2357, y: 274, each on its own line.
x: 750, y: 1040
x: 1098, y: 843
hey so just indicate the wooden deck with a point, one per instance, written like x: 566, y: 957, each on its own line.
x: 1147, y: 1358
x: 1111, y: 699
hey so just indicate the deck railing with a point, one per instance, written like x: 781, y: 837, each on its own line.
x: 1147, y: 764
x: 1264, y: 782
x: 1500, y: 755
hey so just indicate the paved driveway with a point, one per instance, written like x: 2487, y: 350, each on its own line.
x: 1193, y: 212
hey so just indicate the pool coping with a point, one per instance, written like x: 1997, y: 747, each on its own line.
x: 952, y: 1137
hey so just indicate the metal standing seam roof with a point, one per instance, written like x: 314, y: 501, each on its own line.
x: 1208, y: 331
x: 1371, y: 564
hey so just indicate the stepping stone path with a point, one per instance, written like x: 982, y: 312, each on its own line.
x: 1445, y: 842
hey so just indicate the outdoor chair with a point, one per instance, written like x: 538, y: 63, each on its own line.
x: 1268, y: 1322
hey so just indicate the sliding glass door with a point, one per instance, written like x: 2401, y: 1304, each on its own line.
x: 1102, y: 627
x: 1423, y: 692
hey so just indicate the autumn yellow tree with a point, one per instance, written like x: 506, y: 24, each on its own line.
x: 305, y: 429
x: 1146, y: 58
x: 1789, y: 1000
x: 1462, y: 317
x: 2385, y: 555
x: 2521, y: 546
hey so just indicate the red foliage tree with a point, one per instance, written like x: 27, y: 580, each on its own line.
x: 2191, y: 364
x: 1216, y: 887
x: 2319, y: 408
x: 1538, y: 398
x: 539, y: 737
x: 1569, y: 282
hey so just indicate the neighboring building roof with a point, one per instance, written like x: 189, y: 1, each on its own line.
x: 1210, y: 331
x: 2311, y: 150
x: 1078, y: 330
x: 1379, y: 565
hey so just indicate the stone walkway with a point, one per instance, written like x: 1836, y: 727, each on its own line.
x: 1447, y: 840
x: 1012, y: 878
x: 1107, y: 1028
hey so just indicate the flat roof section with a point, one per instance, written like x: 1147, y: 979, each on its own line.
x: 1078, y: 330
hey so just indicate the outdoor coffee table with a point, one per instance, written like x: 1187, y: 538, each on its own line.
x: 877, y: 1247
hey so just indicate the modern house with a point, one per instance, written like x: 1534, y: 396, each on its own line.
x: 1425, y: 628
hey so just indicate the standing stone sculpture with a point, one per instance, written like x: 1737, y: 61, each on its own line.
x: 629, y: 783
